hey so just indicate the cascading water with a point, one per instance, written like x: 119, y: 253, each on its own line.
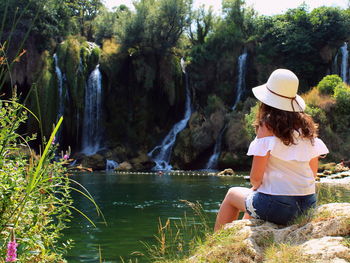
x: 335, y: 65
x: 213, y: 160
x: 161, y: 154
x: 242, y: 65
x: 344, y: 62
x: 91, y: 138
x: 61, y: 97
x: 111, y: 165
x: 242, y: 62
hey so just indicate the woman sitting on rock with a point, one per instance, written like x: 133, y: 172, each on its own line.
x: 285, y: 157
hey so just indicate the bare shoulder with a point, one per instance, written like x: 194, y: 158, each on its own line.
x: 263, y: 131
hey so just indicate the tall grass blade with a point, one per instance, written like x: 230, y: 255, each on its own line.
x: 34, y: 179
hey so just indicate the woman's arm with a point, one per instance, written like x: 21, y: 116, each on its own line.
x: 314, y: 165
x: 258, y: 170
x: 259, y: 162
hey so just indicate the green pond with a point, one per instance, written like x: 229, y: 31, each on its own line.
x: 133, y: 204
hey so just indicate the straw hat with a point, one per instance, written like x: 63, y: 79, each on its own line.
x: 280, y: 91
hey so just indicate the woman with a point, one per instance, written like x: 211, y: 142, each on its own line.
x: 285, y: 157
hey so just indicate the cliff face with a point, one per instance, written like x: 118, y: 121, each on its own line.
x: 320, y: 237
x: 143, y: 96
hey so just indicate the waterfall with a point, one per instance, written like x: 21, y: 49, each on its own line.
x: 91, y: 135
x: 213, y: 160
x: 61, y: 97
x: 161, y: 154
x: 242, y: 62
x: 344, y: 62
x: 111, y: 165
x: 335, y: 65
x: 242, y: 65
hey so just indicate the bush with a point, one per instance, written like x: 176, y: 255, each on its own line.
x: 35, y: 193
x: 342, y: 97
x: 214, y: 103
x: 317, y: 114
x: 249, y: 121
x: 327, y: 85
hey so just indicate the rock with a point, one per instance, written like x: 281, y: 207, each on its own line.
x: 335, y: 176
x: 95, y: 162
x: 320, y: 238
x: 327, y: 249
x: 124, y: 166
x: 142, y: 162
x: 327, y: 172
x: 226, y: 172
x: 321, y: 175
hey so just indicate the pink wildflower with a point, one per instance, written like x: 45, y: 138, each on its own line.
x: 11, y: 251
x: 66, y: 157
x: 53, y: 141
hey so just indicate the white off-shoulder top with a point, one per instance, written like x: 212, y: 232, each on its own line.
x: 288, y: 170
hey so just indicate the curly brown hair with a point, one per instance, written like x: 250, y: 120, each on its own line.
x: 283, y: 123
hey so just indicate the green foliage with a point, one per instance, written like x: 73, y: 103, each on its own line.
x: 177, y: 239
x: 35, y: 193
x: 327, y: 85
x: 249, y: 121
x: 214, y: 103
x: 157, y: 25
x: 204, y: 23
x: 318, y: 114
x: 43, y: 92
x: 287, y: 40
x: 342, y: 97
x: 83, y: 12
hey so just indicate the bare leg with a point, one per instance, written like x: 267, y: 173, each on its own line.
x: 247, y: 216
x: 233, y: 203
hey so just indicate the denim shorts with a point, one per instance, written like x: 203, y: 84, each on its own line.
x: 278, y: 209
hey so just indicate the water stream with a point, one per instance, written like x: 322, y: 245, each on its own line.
x: 344, y: 62
x: 111, y: 165
x: 240, y: 87
x: 161, y: 154
x: 213, y: 160
x: 242, y: 68
x: 91, y: 137
x: 61, y: 97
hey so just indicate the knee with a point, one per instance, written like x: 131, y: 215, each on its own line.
x: 231, y: 192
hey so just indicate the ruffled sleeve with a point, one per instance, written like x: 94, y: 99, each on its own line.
x: 319, y: 148
x: 261, y: 146
x: 302, y: 151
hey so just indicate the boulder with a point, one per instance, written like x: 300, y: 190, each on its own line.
x: 323, y: 236
x: 124, y: 166
x: 228, y: 171
x: 142, y: 162
x: 95, y: 162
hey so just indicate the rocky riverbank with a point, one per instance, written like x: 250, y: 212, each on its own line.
x: 323, y: 237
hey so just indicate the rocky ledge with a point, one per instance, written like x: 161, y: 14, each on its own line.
x: 323, y: 236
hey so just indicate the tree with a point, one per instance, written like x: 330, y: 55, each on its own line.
x: 84, y: 11
x: 203, y: 22
x: 157, y: 24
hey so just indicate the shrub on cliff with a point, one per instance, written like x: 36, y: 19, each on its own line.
x: 327, y: 85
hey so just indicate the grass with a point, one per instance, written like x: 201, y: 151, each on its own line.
x: 346, y: 241
x: 177, y: 238
x: 224, y: 246
x: 285, y: 253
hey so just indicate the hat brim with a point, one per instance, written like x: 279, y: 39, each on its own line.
x: 267, y: 97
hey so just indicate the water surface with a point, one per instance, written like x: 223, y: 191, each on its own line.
x: 134, y: 203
